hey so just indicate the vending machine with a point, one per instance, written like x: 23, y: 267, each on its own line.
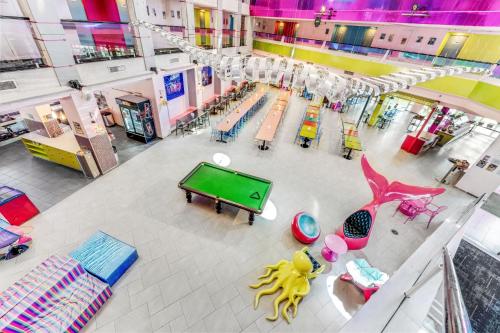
x: 137, y: 117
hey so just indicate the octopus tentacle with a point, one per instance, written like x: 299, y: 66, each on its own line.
x: 278, y: 265
x: 268, y: 291
x: 284, y: 311
x: 267, y: 273
x: 276, y: 303
x: 266, y: 281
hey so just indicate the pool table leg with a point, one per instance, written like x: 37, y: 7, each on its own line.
x: 189, y: 196
x: 251, y: 218
x: 218, y: 207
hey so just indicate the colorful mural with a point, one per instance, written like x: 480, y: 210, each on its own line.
x: 449, y: 12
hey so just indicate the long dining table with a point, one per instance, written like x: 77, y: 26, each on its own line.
x: 267, y: 130
x: 228, y: 123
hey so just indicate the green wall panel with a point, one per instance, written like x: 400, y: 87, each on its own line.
x: 451, y: 85
x: 345, y: 63
x: 487, y: 94
x: 272, y: 48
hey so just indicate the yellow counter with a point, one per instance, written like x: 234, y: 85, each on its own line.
x: 61, y: 150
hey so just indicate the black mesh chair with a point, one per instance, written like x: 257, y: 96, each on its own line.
x: 358, y: 224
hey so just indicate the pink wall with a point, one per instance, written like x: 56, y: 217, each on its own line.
x: 308, y: 30
x: 411, y: 34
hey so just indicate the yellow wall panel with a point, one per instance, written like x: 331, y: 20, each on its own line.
x: 481, y: 48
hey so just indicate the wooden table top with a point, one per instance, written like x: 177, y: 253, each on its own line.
x: 228, y: 123
x: 270, y: 124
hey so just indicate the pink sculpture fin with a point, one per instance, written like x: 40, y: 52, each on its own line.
x: 383, y: 192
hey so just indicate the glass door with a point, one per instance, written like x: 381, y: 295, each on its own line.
x: 127, y: 120
x: 136, y: 118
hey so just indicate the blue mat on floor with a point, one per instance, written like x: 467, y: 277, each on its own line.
x: 105, y: 257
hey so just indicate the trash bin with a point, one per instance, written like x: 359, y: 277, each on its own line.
x: 108, y: 119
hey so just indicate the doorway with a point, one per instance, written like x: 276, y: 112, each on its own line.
x: 453, y: 46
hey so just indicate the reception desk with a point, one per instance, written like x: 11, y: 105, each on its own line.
x: 61, y: 150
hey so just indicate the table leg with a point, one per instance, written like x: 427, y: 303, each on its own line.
x: 443, y: 180
x: 251, y: 218
x: 218, y: 207
x: 221, y: 138
x: 189, y: 196
x: 328, y: 254
x: 263, y: 145
x: 348, y: 156
x: 305, y: 143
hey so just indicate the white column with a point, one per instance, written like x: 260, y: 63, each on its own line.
x: 237, y: 27
x: 249, y: 24
x: 218, y: 20
x: 143, y: 37
x: 188, y: 21
x: 51, y: 38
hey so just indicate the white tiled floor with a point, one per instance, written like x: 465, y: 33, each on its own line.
x: 195, y: 266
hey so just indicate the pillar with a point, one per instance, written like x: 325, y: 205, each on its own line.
x: 87, y: 125
x: 189, y: 22
x: 51, y: 39
x: 376, y: 112
x: 218, y: 16
x: 143, y: 37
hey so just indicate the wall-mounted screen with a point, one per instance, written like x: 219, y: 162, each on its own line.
x: 206, y: 76
x: 174, y: 85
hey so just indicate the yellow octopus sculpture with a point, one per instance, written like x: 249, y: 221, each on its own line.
x: 291, y: 276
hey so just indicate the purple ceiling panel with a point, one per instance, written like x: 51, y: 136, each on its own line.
x: 449, y: 12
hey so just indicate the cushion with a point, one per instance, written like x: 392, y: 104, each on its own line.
x: 364, y: 274
x: 358, y: 224
x: 105, y: 257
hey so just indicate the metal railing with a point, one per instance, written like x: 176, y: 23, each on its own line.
x: 455, y: 313
x: 381, y: 53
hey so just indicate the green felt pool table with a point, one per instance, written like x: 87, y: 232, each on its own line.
x: 227, y: 186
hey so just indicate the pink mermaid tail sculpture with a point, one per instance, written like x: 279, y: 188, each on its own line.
x: 357, y: 227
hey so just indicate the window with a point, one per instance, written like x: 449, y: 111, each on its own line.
x: 172, y: 14
x: 154, y: 12
x: 178, y: 14
x: 327, y: 31
x: 431, y: 41
x: 391, y: 37
x: 164, y: 15
x: 382, y: 36
x: 147, y: 10
x: 403, y: 41
x: 419, y: 39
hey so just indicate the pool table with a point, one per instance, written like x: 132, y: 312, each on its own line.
x: 227, y: 186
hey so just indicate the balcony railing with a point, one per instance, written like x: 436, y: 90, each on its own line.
x: 161, y: 45
x: 19, y: 49
x: 386, y: 54
x: 99, y: 41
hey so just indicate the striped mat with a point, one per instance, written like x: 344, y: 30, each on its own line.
x: 57, y: 296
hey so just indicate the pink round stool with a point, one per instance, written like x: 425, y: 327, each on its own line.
x: 334, y: 246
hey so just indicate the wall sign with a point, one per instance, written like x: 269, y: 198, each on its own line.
x: 206, y: 76
x: 174, y: 85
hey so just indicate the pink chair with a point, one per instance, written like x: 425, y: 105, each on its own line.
x: 432, y: 213
x: 413, y: 208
